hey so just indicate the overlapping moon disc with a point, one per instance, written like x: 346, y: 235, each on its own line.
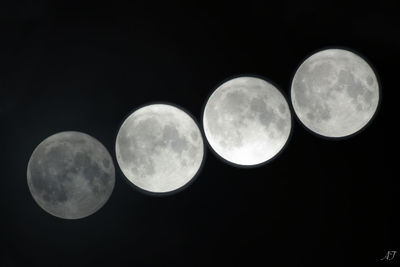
x: 247, y: 121
x: 71, y: 175
x: 159, y: 148
x: 335, y: 93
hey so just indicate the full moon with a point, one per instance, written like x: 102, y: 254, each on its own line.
x: 159, y: 148
x: 70, y: 175
x: 335, y: 93
x: 247, y: 121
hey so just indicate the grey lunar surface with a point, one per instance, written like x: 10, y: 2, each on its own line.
x: 247, y: 121
x: 70, y: 175
x: 335, y: 93
x: 159, y: 148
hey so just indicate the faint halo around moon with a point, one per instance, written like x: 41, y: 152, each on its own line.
x: 247, y: 121
x: 335, y: 93
x: 70, y: 175
x: 159, y: 148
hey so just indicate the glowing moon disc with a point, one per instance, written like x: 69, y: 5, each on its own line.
x: 70, y: 175
x: 335, y: 93
x: 247, y: 121
x: 159, y: 148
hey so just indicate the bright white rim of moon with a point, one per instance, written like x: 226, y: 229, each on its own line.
x: 335, y: 93
x: 247, y: 121
x: 159, y: 148
x: 70, y: 175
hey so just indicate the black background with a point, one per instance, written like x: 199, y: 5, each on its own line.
x: 84, y: 67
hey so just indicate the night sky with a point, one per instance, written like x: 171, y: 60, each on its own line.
x: 85, y: 67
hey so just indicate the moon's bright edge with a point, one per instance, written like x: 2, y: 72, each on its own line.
x: 159, y: 148
x: 247, y: 121
x: 335, y: 93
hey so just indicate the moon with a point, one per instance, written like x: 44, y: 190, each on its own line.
x: 70, y: 175
x: 247, y: 121
x: 159, y: 148
x: 335, y: 93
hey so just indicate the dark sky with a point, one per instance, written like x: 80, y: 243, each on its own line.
x: 84, y: 67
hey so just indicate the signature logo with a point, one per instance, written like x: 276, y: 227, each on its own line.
x: 389, y: 255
